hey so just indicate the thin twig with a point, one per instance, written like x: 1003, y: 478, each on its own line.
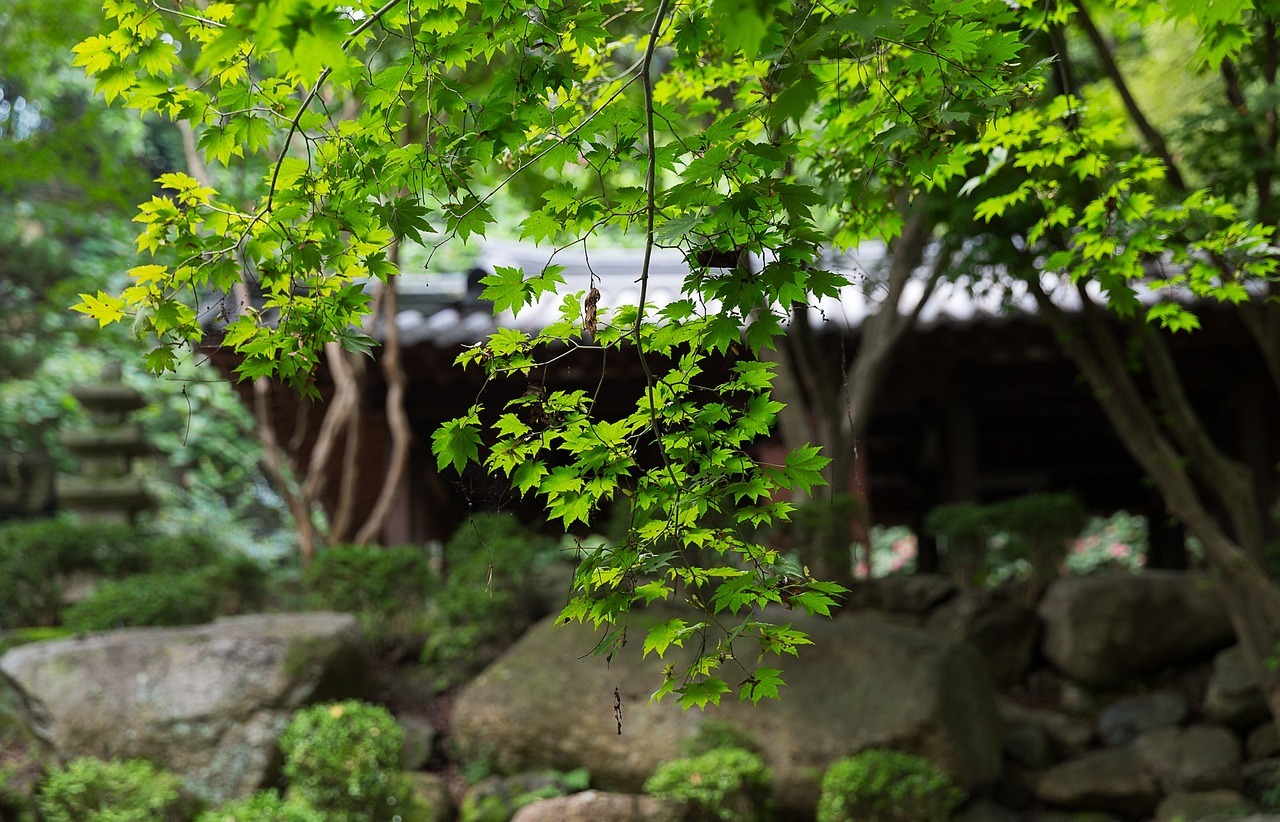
x: 315, y: 90
x: 651, y: 209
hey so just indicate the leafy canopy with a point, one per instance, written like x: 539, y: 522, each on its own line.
x: 749, y: 134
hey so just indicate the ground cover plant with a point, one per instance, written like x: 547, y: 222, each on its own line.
x: 883, y: 785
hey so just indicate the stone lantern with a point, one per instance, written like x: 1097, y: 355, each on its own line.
x: 105, y: 488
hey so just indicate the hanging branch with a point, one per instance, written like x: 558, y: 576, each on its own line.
x: 1105, y: 56
x: 651, y: 211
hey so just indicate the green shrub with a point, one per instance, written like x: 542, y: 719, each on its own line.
x: 886, y: 786
x: 965, y: 531
x: 386, y: 588
x: 486, y: 601
x: 344, y: 760
x: 496, y: 798
x: 36, y: 556
x: 182, y: 552
x: 186, y: 598
x: 366, y: 578
x: 1039, y: 529
x: 264, y: 806
x: 713, y: 734
x: 91, y: 790
x: 724, y: 783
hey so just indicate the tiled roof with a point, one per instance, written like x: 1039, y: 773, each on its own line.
x: 438, y: 307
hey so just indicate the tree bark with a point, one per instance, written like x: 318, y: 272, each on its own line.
x: 1251, y: 600
x: 835, y: 413
x: 397, y: 419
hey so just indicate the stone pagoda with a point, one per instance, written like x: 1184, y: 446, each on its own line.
x: 105, y: 488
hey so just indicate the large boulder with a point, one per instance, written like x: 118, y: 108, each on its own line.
x: 865, y: 683
x: 1221, y: 805
x: 595, y: 806
x: 1233, y: 697
x: 1004, y: 632
x: 1199, y: 758
x: 1109, y: 628
x: 1115, y: 780
x: 207, y: 702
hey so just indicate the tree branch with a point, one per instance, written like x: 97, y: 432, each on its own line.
x: 1112, y: 70
x: 1232, y: 483
x: 397, y: 420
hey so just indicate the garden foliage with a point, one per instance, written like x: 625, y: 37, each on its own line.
x: 488, y: 597
x: 343, y: 760
x: 386, y: 588
x: 749, y: 135
x: 264, y: 806
x: 728, y: 783
x: 93, y: 790
x: 882, y: 785
x: 37, y: 558
x: 1031, y: 534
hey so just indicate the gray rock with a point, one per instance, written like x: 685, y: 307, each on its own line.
x: 1028, y: 744
x: 1262, y: 781
x: 431, y: 799
x: 1068, y: 736
x: 864, y: 684
x: 1198, y: 758
x: 984, y: 810
x: 1109, y: 628
x: 1122, y: 721
x: 1263, y: 742
x: 597, y: 806
x: 1204, y: 806
x: 1233, y: 697
x: 1111, y: 781
x: 419, y: 742
x: 1005, y: 633
x: 903, y: 593
x: 207, y: 702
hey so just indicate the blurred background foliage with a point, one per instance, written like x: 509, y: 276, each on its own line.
x: 71, y: 174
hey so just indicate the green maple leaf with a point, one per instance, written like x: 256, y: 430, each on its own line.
x: 700, y: 694
x: 505, y: 289
x: 763, y: 683
x: 457, y: 442
x: 663, y: 635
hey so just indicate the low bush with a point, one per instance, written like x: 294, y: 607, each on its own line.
x: 343, y: 759
x: 264, y: 806
x: 364, y: 578
x: 724, y: 783
x: 886, y: 786
x: 37, y: 556
x: 1039, y: 530
x: 486, y: 600
x: 185, y: 598
x: 496, y: 799
x: 92, y: 790
x: 386, y: 588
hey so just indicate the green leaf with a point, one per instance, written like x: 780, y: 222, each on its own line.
x: 701, y: 694
x: 457, y: 442
x: 763, y: 683
x: 663, y: 635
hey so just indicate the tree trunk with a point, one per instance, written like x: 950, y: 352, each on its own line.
x: 833, y: 411
x: 1251, y: 600
x: 397, y: 419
